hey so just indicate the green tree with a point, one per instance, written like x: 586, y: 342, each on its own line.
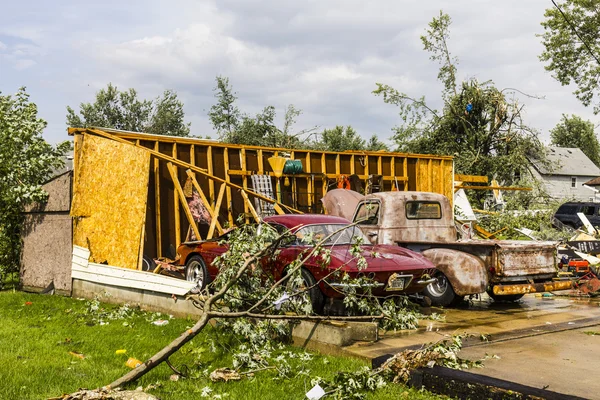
x: 571, y: 47
x: 225, y: 116
x: 124, y: 110
x: 340, y: 138
x: 374, y: 144
x: 236, y: 127
x: 479, y: 125
x: 26, y: 162
x: 575, y: 132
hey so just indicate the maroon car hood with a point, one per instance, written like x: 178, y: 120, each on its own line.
x: 383, y: 258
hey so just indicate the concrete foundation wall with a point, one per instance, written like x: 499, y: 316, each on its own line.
x: 146, y: 300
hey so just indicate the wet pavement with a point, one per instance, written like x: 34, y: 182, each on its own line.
x: 544, y: 342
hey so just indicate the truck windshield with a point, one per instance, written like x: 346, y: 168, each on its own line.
x: 368, y: 213
x: 423, y: 210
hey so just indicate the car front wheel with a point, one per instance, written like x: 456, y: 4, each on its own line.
x: 195, y: 271
x: 317, y: 298
x: 440, y: 292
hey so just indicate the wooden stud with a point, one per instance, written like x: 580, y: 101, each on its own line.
x: 380, y: 172
x: 260, y: 162
x: 228, y: 189
x: 211, y: 183
x: 278, y: 209
x: 186, y: 208
x: 429, y: 175
x: 405, y: 172
x: 157, y: 203
x: 214, y: 214
x: 176, y: 205
x: 242, y: 154
x: 250, y: 207
x: 213, y: 223
x: 141, y: 250
x: 294, y: 186
x: 338, y: 169
x: 352, y: 164
x: 309, y: 182
x: 324, y: 172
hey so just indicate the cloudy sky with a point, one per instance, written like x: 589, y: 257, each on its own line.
x: 322, y: 56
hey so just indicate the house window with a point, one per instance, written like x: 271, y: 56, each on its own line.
x: 573, y: 182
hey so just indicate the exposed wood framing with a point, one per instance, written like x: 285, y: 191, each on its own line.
x: 309, y: 182
x: 213, y: 215
x: 157, y: 203
x: 211, y: 183
x: 175, y: 203
x: 181, y: 196
x: 244, y: 180
x: 228, y: 189
x: 249, y: 205
x: 213, y: 223
x: 415, y: 172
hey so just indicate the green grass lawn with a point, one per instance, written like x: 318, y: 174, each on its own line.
x: 42, y: 340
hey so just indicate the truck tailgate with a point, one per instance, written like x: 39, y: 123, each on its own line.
x: 521, y: 257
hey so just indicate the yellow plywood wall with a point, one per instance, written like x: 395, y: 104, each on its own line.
x: 110, y: 190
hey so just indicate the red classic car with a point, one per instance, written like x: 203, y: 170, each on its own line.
x: 393, y: 269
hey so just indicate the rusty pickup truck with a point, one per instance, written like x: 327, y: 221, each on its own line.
x: 424, y: 222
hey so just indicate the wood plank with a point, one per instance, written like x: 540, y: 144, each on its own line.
x: 278, y: 209
x: 242, y: 154
x: 211, y: 211
x: 184, y: 204
x: 405, y: 171
x: 156, y: 162
x: 324, y: 172
x: 471, y: 178
x: 211, y: 183
x: 491, y: 187
x: 250, y: 207
x: 228, y: 189
x: 213, y: 223
x: 176, y: 205
x: 309, y: 182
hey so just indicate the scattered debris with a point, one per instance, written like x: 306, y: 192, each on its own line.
x: 133, y: 362
x: 102, y: 394
x: 315, y: 393
x: 76, y: 354
x: 225, y: 374
x: 160, y: 322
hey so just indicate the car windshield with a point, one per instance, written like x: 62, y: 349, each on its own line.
x: 340, y: 234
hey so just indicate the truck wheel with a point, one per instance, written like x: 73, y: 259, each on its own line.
x: 441, y: 292
x: 506, y: 297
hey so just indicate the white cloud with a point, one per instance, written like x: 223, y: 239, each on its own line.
x: 324, y: 57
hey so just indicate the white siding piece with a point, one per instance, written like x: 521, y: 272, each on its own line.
x: 81, y: 256
x: 123, y: 277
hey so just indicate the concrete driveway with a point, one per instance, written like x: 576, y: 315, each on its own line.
x: 542, y: 342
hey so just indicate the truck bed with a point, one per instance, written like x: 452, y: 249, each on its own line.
x: 511, y: 259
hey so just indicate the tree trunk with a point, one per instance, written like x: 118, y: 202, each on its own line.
x: 162, y: 355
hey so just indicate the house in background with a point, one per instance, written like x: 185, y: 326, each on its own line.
x: 566, y: 173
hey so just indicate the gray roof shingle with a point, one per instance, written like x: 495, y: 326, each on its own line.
x: 567, y: 161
